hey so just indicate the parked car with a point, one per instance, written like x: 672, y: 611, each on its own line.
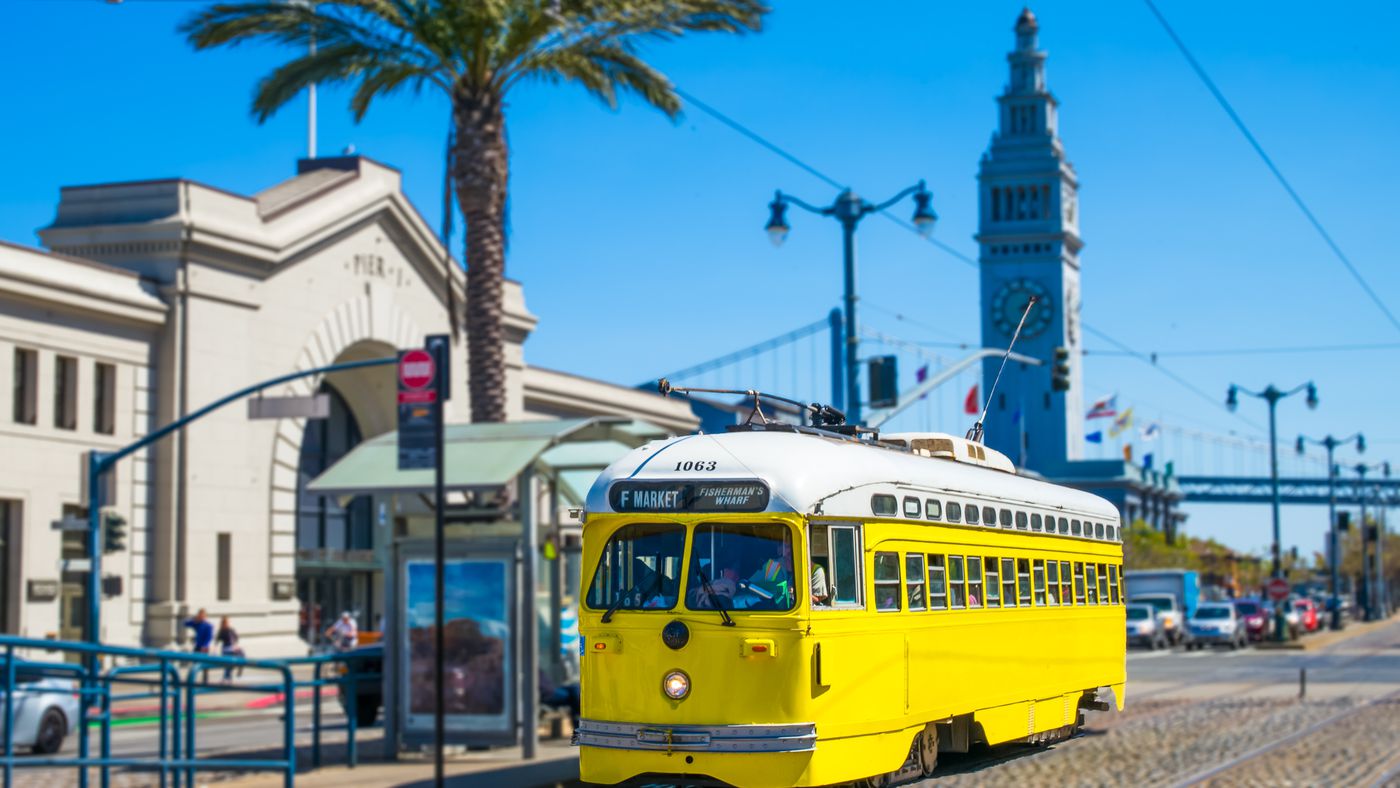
x: 1307, y: 614
x: 1258, y: 618
x: 370, y: 691
x: 44, y: 709
x: 1143, y: 629
x: 1171, y: 618
x: 1292, y: 618
x: 1217, y: 624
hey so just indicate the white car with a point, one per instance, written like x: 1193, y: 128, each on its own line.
x: 1217, y: 623
x: 1143, y: 629
x: 45, y: 709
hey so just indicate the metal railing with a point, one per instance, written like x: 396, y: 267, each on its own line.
x: 175, y: 680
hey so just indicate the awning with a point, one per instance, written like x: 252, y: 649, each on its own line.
x: 480, y: 456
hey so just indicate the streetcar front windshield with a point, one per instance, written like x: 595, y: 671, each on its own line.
x: 741, y: 566
x: 640, y: 568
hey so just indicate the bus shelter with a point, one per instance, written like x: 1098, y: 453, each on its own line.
x: 509, y: 491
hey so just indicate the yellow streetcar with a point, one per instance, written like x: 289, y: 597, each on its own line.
x: 782, y: 605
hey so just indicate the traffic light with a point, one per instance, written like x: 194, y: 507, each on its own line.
x: 884, y: 381
x: 1343, y: 522
x: 113, y: 532
x: 1059, y: 374
x: 1372, y: 533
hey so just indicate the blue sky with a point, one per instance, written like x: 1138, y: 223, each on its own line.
x: 640, y: 241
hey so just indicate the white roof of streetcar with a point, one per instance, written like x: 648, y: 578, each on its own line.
x: 814, y: 473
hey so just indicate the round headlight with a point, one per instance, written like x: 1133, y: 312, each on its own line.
x: 676, y: 685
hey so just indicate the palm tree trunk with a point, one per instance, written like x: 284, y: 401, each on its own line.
x: 481, y: 171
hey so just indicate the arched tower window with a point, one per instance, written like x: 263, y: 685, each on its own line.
x: 996, y: 204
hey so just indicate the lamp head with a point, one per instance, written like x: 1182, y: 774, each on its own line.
x: 1232, y: 400
x: 1360, y: 443
x: 1299, y: 446
x: 777, y: 220
x: 924, y: 217
x: 1312, y: 396
x: 1385, y: 469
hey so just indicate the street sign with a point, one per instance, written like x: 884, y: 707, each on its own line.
x: 418, y: 408
x: 316, y: 406
x: 74, y: 565
x: 70, y: 524
x: 1277, y: 589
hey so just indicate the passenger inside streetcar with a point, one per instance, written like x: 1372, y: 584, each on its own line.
x: 755, y: 567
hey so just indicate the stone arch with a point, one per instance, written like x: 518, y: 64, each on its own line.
x: 356, y: 326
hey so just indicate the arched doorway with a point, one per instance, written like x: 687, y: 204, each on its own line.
x: 336, y: 566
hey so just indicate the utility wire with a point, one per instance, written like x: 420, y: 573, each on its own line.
x: 1268, y: 162
x: 790, y: 158
x: 1253, y: 351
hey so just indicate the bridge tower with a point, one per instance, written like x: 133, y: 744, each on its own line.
x: 1029, y: 242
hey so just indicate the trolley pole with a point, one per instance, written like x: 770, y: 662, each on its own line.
x: 849, y: 209
x: 1272, y: 395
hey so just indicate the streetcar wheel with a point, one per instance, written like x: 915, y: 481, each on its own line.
x: 927, y: 744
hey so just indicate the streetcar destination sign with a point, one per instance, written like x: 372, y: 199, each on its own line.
x: 707, y: 496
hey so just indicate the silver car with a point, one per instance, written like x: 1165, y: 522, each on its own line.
x: 1217, y: 623
x: 44, y: 709
x: 1143, y: 628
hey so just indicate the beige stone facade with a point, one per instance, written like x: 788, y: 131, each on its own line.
x: 183, y: 293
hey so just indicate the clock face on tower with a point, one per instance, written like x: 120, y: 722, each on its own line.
x: 1010, y: 299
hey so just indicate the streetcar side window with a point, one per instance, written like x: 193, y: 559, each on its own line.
x: 914, y: 582
x: 993, y: 582
x: 1052, y: 582
x: 1122, y: 596
x: 1103, y: 584
x: 974, y: 581
x: 1023, y: 581
x: 1075, y: 529
x: 883, y: 505
x: 1008, y: 582
x: 957, y: 588
x: 1113, y: 583
x: 1035, y: 522
x: 937, y: 583
x: 1098, y: 530
x: 972, y: 517
x: 1078, y: 583
x: 1066, y: 592
x: 933, y: 510
x: 989, y: 517
x: 887, y: 582
x: 1006, y: 518
x: 1039, y: 582
x: 1064, y: 526
x: 911, y: 507
x: 819, y: 550
x: 954, y: 511
x: 1093, y: 583
x: 845, y: 565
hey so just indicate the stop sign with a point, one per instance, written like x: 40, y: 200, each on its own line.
x: 1277, y: 589
x: 416, y: 369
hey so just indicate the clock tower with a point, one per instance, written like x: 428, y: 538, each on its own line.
x: 1028, y: 237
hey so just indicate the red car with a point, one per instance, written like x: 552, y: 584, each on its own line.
x: 1307, y: 614
x: 1258, y: 618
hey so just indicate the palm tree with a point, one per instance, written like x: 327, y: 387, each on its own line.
x: 475, y: 52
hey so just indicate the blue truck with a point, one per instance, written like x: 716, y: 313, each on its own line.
x: 1173, y: 593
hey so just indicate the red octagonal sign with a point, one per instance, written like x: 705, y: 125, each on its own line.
x: 416, y: 369
x: 1278, y: 589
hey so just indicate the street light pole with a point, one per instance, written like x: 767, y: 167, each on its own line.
x: 1374, y: 574
x: 1333, y: 559
x: 1272, y: 396
x: 849, y: 209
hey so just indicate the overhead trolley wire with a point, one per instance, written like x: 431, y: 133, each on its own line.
x: 1273, y: 168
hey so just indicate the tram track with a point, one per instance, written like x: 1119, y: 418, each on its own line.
x: 1207, y: 775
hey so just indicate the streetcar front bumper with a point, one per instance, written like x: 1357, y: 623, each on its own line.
x: 795, y: 737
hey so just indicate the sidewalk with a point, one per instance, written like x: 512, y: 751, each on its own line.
x: 216, y: 697
x: 1325, y: 638
x: 556, y: 762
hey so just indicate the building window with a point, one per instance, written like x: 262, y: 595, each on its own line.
x: 887, y: 582
x: 914, y: 582
x: 104, y: 402
x: 65, y: 392
x: 996, y: 204
x: 225, y: 567
x: 26, y: 391
x: 9, y: 576
x: 322, y: 522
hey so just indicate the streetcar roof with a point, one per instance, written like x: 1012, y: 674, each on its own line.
x: 833, y: 476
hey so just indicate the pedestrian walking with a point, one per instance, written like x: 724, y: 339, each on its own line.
x: 227, y: 638
x: 203, y: 631
x: 343, y: 633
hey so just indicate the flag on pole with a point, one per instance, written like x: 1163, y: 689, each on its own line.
x: 972, y: 404
x: 1127, y: 452
x: 1151, y: 432
x: 1094, y: 437
x: 1121, y: 424
x: 1147, y: 461
x: 922, y: 374
x: 1104, y: 408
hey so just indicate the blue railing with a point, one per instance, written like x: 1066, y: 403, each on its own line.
x: 175, y: 680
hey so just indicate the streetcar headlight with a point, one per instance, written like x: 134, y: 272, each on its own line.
x: 676, y: 685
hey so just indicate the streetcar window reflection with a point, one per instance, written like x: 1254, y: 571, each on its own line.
x: 911, y: 507
x: 887, y: 581
x: 933, y: 510
x: 639, y: 568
